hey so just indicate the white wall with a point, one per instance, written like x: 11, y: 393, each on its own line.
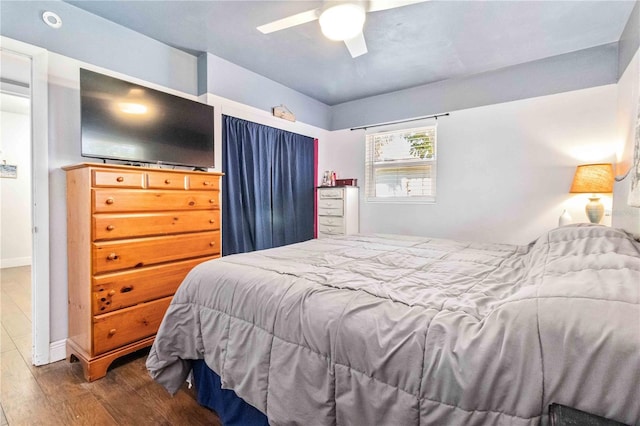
x: 504, y: 170
x: 223, y: 106
x: 627, y: 110
x: 15, y: 198
x: 230, y: 81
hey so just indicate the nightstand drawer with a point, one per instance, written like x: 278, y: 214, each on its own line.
x: 127, y: 225
x: 118, y: 179
x: 122, y: 289
x: 126, y: 200
x: 128, y: 325
x: 331, y: 193
x: 135, y: 253
x: 159, y: 180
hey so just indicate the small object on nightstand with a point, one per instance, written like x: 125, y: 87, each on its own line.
x: 565, y: 219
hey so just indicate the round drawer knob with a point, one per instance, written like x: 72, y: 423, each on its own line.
x: 110, y: 227
x: 112, y: 292
x: 212, y: 201
x: 112, y: 256
x: 112, y: 332
x: 192, y: 203
x: 212, y: 221
x: 167, y: 181
x: 205, y: 183
x: 120, y: 179
x: 109, y: 201
x: 212, y: 243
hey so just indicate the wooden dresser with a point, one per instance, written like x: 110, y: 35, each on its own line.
x: 132, y: 236
x: 338, y: 211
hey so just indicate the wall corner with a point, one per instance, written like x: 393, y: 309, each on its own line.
x: 202, y: 74
x: 629, y: 40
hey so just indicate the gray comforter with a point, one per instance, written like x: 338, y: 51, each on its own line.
x: 397, y: 330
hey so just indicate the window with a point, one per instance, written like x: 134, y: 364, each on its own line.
x: 401, y: 165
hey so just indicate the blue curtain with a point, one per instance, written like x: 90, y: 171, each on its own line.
x: 268, y: 187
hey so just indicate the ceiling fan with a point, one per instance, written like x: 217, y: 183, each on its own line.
x: 339, y: 20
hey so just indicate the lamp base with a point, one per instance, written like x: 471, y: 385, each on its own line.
x: 594, y: 210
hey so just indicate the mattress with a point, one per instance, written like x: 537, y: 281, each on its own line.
x: 380, y: 329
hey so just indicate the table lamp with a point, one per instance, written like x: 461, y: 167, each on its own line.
x: 594, y: 179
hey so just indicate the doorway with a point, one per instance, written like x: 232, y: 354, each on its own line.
x: 23, y: 80
x: 15, y: 203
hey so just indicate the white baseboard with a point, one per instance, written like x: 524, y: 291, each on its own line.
x: 15, y: 261
x: 57, y: 350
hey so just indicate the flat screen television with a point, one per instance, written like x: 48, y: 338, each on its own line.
x: 125, y: 121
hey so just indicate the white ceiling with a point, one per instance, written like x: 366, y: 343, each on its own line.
x: 408, y: 46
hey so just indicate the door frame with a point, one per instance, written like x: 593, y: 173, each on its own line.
x: 39, y: 196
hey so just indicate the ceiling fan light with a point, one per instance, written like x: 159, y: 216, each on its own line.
x: 342, y: 22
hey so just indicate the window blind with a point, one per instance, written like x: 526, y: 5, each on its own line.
x: 400, y: 165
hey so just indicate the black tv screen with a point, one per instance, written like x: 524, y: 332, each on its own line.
x: 125, y: 121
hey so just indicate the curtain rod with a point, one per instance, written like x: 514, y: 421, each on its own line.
x: 400, y: 121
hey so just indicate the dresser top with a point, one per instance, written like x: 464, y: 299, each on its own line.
x: 137, y: 168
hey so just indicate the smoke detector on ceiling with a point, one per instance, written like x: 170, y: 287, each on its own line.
x: 52, y: 19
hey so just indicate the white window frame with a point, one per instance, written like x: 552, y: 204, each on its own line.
x: 370, y: 165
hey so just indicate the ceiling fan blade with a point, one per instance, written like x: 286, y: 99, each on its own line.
x: 290, y: 21
x: 377, y: 5
x: 357, y: 46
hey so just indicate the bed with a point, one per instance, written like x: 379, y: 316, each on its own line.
x: 402, y: 330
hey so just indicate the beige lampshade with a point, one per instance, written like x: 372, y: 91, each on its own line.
x: 593, y: 178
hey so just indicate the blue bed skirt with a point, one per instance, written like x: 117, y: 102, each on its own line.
x: 231, y: 409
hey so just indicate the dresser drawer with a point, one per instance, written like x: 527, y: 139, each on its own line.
x: 330, y: 212
x: 330, y: 203
x: 331, y: 193
x: 330, y: 230
x: 128, y: 325
x: 331, y: 220
x: 204, y: 182
x: 159, y: 180
x: 122, y: 289
x: 110, y: 226
x: 118, y: 178
x: 111, y: 256
x: 110, y: 200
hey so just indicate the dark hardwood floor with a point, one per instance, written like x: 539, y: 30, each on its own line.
x: 57, y: 394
